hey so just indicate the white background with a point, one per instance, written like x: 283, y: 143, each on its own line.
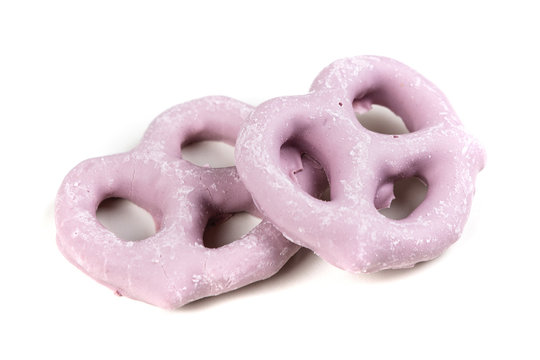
x: 79, y: 81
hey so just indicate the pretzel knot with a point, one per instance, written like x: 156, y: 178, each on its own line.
x: 361, y: 165
x: 173, y: 266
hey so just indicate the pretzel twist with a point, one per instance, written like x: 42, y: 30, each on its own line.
x: 172, y: 267
x: 348, y: 231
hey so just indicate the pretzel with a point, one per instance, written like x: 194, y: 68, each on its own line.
x: 173, y: 267
x: 361, y: 165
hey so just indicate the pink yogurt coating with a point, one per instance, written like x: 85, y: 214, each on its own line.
x: 173, y: 267
x: 361, y: 165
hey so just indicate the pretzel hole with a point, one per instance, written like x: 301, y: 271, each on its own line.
x: 409, y: 194
x: 379, y: 119
x: 304, y: 169
x: 125, y: 219
x: 209, y: 153
x: 224, y: 229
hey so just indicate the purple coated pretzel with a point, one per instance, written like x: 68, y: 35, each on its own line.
x: 173, y: 267
x: 361, y: 166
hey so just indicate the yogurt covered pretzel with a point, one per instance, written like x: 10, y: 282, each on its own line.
x: 361, y: 165
x: 173, y: 267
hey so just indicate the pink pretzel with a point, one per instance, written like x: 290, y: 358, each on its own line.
x: 172, y: 267
x: 361, y: 165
